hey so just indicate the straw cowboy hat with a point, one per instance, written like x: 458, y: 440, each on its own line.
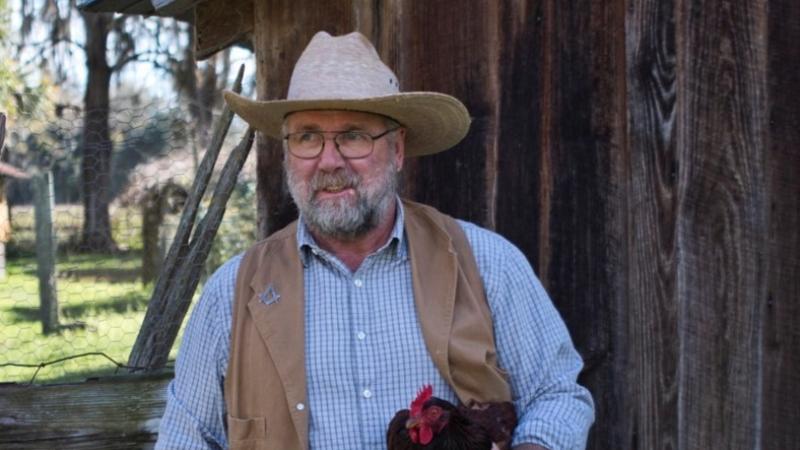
x: 346, y: 73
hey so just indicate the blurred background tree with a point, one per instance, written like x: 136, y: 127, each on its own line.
x: 69, y: 62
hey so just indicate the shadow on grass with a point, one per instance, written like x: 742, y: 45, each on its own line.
x: 107, y: 275
x: 102, y: 274
x: 124, y: 266
x: 134, y: 301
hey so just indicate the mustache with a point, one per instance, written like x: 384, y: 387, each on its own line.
x: 340, y: 179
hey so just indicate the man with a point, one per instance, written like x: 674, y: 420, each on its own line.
x: 315, y: 337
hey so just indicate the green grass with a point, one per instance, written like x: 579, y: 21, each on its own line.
x: 103, y: 293
x: 102, y: 303
x: 109, y: 311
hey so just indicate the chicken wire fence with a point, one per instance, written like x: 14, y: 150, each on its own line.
x: 100, y: 292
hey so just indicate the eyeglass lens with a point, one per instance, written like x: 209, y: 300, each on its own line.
x: 309, y: 144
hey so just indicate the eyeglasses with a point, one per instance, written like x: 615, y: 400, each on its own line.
x: 350, y: 144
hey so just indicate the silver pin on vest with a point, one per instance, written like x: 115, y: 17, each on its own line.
x: 269, y: 296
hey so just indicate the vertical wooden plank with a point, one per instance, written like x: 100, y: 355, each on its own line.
x: 781, y: 333
x: 46, y: 252
x: 581, y: 178
x: 522, y: 41
x: 283, y: 28
x: 652, y: 342
x: 441, y: 47
x: 722, y: 224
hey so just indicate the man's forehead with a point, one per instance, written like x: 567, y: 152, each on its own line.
x: 317, y: 118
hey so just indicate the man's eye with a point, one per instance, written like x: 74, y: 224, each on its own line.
x: 353, y: 136
x: 306, y: 137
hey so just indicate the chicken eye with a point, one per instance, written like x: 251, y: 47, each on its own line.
x: 433, y: 412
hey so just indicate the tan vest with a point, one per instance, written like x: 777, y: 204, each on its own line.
x: 265, y: 387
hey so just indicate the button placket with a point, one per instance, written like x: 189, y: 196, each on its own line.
x: 363, y: 314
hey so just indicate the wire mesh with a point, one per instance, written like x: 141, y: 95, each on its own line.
x: 101, y: 292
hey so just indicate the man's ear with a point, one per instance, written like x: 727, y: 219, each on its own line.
x: 400, y: 148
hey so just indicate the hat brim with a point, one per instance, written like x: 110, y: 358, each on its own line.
x: 434, y: 122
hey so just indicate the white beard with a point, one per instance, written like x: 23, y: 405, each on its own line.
x: 344, y: 218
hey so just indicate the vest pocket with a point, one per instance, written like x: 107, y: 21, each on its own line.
x: 247, y: 434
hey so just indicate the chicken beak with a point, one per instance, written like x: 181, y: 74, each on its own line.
x: 413, y: 422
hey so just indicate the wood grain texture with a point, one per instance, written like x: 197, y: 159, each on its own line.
x: 625, y: 147
x: 454, y: 53
x: 581, y: 205
x: 781, y: 333
x: 219, y: 25
x: 651, y: 341
x: 109, y: 413
x: 722, y: 221
x: 522, y: 50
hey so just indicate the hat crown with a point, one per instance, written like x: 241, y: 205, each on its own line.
x: 341, y: 67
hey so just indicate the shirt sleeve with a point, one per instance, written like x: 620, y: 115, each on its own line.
x: 534, y: 347
x: 195, y: 414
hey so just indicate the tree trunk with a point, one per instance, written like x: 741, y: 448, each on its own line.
x: 96, y: 157
x: 152, y: 218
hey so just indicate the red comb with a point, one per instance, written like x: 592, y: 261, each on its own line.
x: 422, y: 396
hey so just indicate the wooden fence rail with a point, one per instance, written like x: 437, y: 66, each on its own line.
x: 111, y: 413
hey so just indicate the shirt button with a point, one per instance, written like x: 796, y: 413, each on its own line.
x: 358, y: 282
x: 300, y: 406
x: 361, y: 335
x: 366, y: 393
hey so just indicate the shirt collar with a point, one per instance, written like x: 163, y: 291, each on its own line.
x: 396, y: 243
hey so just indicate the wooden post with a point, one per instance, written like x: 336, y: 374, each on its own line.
x: 5, y: 224
x: 2, y: 260
x: 3, y: 206
x: 2, y: 132
x: 46, y: 251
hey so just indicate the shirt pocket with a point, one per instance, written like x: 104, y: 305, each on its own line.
x: 247, y: 434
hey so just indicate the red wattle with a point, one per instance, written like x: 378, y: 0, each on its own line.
x: 426, y: 435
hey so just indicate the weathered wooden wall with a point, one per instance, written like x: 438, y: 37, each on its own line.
x: 644, y: 155
x: 780, y: 336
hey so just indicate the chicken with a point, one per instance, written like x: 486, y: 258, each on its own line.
x: 435, y: 424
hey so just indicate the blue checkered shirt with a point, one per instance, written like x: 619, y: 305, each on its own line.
x: 365, y: 353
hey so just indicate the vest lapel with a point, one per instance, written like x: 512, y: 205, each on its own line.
x: 277, y: 307
x: 434, y: 274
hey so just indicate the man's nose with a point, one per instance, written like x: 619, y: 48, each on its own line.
x: 330, y: 158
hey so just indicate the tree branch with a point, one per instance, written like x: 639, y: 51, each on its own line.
x: 123, y: 60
